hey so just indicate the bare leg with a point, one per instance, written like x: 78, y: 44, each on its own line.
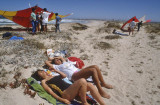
x: 103, y: 84
x: 43, y: 28
x: 46, y: 28
x: 79, y: 87
x: 87, y: 72
x: 95, y: 94
x: 133, y: 32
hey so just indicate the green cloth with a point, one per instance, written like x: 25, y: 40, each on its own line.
x: 41, y: 92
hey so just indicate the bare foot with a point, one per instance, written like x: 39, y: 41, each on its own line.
x: 105, y: 95
x: 107, y: 86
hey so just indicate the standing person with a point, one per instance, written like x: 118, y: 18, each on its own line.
x: 58, y: 20
x: 33, y: 21
x: 37, y: 22
x: 45, y: 16
x: 139, y: 25
x: 132, y: 26
x: 40, y: 21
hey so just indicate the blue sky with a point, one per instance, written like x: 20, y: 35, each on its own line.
x: 92, y: 9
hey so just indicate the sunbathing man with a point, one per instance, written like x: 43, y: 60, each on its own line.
x: 67, y: 91
x: 75, y: 74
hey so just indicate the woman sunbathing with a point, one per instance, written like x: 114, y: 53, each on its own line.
x: 75, y: 74
x: 68, y: 92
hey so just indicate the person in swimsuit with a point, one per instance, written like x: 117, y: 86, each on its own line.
x: 75, y: 74
x: 67, y: 92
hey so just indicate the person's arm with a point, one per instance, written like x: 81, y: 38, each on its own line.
x: 50, y: 65
x: 50, y: 58
x: 59, y: 72
x: 59, y: 57
x: 49, y: 90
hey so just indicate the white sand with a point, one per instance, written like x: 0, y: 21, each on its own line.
x: 132, y: 66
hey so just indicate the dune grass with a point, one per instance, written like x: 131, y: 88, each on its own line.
x: 78, y: 26
x: 115, y: 25
x: 27, y: 52
x: 103, y: 46
x: 153, y: 28
x: 112, y: 37
x: 103, y: 30
x: 108, y: 27
x: 33, y: 43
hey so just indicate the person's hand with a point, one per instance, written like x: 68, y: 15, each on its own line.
x: 52, y: 69
x: 66, y: 101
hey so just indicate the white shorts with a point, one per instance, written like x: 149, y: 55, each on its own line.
x: 132, y: 27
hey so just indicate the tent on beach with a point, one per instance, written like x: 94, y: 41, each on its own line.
x: 22, y: 17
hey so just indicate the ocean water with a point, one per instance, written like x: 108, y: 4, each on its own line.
x: 9, y: 22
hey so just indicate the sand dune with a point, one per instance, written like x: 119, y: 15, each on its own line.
x: 130, y: 63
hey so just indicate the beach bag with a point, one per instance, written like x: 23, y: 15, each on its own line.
x: 7, y: 35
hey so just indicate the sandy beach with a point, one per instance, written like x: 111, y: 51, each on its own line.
x: 130, y: 63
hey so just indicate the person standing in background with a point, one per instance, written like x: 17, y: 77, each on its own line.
x: 37, y: 22
x: 132, y: 26
x: 40, y: 21
x: 139, y: 25
x: 45, y: 16
x: 33, y: 21
x: 58, y: 20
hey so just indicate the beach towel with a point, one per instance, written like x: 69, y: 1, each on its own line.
x: 43, y: 94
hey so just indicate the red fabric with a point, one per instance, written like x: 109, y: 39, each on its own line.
x: 130, y: 20
x: 147, y: 21
x: 79, y: 62
x: 23, y: 16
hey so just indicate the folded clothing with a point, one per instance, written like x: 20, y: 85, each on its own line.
x: 16, y: 38
x: 51, y: 53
